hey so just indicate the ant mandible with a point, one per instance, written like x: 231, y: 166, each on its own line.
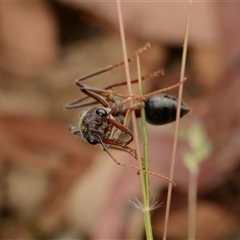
x: 107, y: 125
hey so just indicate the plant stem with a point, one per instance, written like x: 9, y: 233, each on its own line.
x: 192, y: 203
x: 145, y: 176
x: 182, y: 73
x: 147, y: 219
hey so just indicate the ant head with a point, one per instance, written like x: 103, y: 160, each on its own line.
x: 93, y: 124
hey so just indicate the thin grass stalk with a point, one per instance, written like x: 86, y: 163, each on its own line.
x: 192, y: 204
x: 125, y: 58
x: 135, y: 130
x: 145, y: 176
x: 182, y: 73
x: 201, y: 149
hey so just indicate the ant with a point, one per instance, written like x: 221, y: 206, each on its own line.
x: 107, y: 125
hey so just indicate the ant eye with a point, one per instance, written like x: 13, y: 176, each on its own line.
x: 101, y: 112
x: 92, y: 140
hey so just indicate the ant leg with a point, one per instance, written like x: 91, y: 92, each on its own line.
x: 133, y: 108
x: 78, y: 103
x: 110, y: 67
x: 143, y: 97
x: 157, y: 73
x: 97, y: 94
x: 120, y: 128
x: 127, y: 149
x: 104, y: 92
x: 134, y: 167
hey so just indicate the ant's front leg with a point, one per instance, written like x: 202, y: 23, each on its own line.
x: 95, y: 93
x: 132, y: 166
x: 110, y: 67
x: 127, y: 149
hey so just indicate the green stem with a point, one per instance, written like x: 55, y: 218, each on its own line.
x: 145, y: 176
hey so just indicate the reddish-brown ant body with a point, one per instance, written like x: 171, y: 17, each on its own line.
x: 107, y: 125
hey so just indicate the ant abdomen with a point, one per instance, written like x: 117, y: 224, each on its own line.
x: 162, y: 108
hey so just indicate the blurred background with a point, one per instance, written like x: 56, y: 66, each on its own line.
x: 55, y: 186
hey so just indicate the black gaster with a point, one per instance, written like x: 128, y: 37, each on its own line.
x: 162, y: 109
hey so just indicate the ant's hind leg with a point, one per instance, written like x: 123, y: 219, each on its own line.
x: 145, y: 96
